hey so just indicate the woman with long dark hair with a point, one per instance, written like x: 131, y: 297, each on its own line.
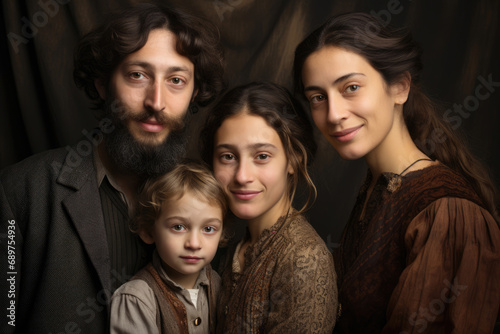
x: 421, y: 250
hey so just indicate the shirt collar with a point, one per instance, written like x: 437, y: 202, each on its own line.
x: 99, y: 167
x: 102, y: 172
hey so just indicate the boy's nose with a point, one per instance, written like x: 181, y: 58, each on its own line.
x: 193, y: 241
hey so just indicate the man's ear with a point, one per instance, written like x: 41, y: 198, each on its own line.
x: 146, y: 234
x: 401, y: 89
x: 101, y: 89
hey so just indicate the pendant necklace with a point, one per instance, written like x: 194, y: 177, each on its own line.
x: 395, y: 182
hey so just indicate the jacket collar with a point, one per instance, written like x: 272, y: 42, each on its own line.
x: 77, y: 167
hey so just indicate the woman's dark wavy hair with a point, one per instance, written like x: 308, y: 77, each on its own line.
x: 394, y: 54
x: 103, y: 49
x: 276, y: 105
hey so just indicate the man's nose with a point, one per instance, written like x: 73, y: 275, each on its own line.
x: 155, y: 96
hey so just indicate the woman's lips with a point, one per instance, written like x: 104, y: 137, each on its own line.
x: 346, y: 135
x: 245, y: 194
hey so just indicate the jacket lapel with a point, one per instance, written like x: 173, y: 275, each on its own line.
x: 84, y: 208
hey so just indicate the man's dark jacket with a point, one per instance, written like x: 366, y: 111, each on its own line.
x: 61, y: 267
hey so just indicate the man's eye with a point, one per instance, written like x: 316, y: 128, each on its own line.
x: 177, y: 81
x: 136, y: 75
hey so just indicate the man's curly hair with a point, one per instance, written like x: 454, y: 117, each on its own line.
x: 103, y: 49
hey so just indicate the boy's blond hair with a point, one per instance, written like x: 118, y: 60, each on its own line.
x: 190, y: 177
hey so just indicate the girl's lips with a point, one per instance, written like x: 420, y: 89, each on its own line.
x: 346, y: 135
x: 151, y: 126
x: 245, y: 194
x: 191, y: 259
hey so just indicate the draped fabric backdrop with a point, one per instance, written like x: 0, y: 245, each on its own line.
x: 40, y: 107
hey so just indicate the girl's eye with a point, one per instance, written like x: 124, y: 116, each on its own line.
x: 263, y: 156
x: 317, y: 98
x: 228, y: 157
x: 209, y: 229
x: 178, y: 228
x: 352, y: 88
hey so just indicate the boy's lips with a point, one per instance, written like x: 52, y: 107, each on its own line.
x: 191, y: 259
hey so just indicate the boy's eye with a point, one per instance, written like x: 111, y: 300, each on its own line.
x: 178, y: 227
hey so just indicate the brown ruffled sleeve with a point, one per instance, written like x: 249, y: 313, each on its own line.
x: 451, y: 283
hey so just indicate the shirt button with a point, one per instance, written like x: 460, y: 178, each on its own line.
x: 197, y: 321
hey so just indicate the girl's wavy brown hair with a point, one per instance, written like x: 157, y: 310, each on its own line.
x: 282, y: 112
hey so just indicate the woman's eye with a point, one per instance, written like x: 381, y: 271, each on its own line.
x: 317, y: 98
x: 352, y: 88
x: 263, y: 156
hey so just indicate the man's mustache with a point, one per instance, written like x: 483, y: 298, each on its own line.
x: 173, y: 123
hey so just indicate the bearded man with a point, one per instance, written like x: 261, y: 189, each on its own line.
x: 65, y: 212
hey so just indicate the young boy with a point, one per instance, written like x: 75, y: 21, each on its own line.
x: 182, y: 214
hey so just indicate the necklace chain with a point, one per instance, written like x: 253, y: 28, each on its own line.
x: 414, y: 162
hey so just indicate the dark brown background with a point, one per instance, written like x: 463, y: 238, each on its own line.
x: 40, y: 108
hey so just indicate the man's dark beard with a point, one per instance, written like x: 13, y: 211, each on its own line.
x: 142, y: 159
